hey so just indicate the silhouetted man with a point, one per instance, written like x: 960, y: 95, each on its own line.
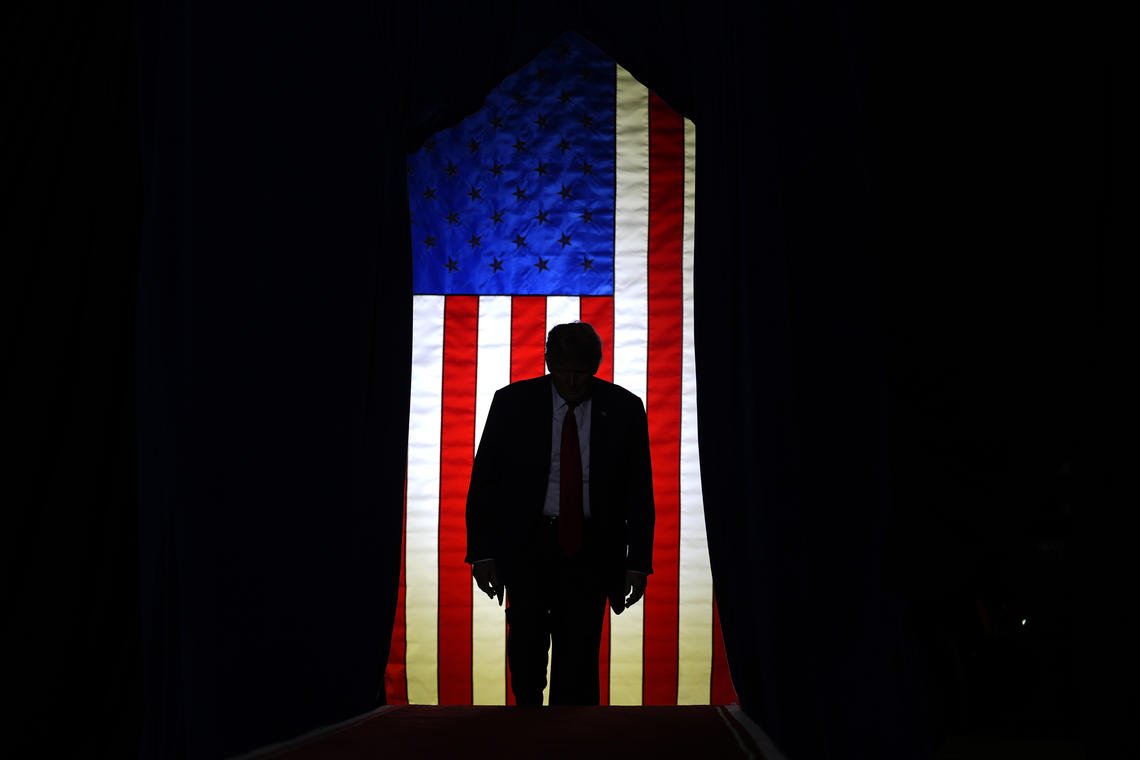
x: 560, y: 512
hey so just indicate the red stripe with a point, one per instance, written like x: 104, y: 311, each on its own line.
x: 663, y: 395
x: 510, y: 694
x: 528, y: 345
x: 528, y: 337
x: 599, y: 312
x: 457, y: 451
x: 396, y: 674
x: 722, y: 692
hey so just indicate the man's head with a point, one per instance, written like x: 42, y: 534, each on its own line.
x: 573, y: 354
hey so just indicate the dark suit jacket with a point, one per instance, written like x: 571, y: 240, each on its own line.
x: 512, y: 469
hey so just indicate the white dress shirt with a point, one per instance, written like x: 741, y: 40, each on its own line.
x: 582, y: 417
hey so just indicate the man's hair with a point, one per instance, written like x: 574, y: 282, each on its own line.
x: 575, y: 341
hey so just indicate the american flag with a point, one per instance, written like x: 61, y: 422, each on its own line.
x: 569, y: 195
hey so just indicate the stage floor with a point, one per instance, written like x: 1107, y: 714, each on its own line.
x: 546, y: 732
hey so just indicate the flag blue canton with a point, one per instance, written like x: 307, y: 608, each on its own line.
x: 518, y: 199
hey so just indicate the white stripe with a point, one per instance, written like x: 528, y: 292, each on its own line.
x: 559, y: 311
x: 488, y: 628
x: 562, y: 309
x: 694, y: 592
x: 631, y: 309
x: 494, y: 362
x: 422, y: 536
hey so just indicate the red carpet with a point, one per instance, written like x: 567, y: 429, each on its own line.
x: 510, y: 732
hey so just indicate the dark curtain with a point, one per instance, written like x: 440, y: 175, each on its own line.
x: 1002, y: 289
x: 70, y: 209
x: 881, y: 409
x: 273, y: 340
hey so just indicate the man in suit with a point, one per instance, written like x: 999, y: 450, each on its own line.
x: 560, y: 514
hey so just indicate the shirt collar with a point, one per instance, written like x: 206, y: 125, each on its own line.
x: 559, y: 402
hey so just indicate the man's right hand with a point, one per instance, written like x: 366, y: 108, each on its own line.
x: 487, y: 579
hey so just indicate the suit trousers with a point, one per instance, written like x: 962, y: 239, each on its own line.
x: 555, y: 602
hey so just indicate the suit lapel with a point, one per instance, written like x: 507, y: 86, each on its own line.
x: 544, y: 401
x: 600, y: 440
x: 599, y: 417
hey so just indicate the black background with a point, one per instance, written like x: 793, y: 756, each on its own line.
x: 911, y: 333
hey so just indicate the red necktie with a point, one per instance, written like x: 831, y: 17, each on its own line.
x: 570, y: 487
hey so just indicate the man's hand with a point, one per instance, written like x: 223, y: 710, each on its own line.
x: 487, y: 579
x: 635, y: 583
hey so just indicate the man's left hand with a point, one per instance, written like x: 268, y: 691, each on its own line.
x: 635, y: 583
